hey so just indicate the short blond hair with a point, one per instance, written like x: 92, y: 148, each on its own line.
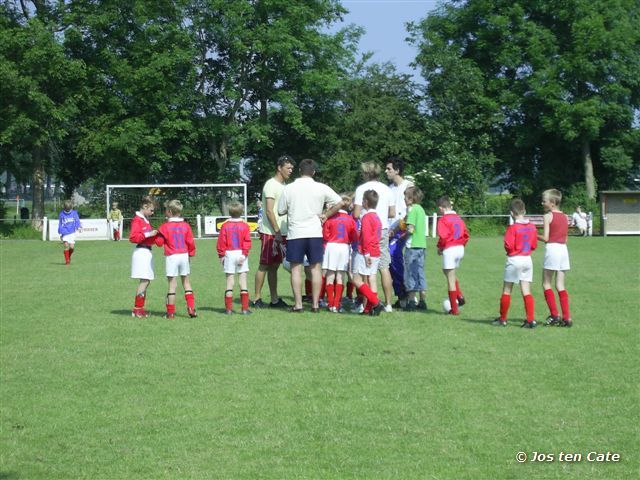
x: 553, y: 195
x: 370, y: 170
x: 174, y: 207
x: 67, y: 205
x: 236, y: 209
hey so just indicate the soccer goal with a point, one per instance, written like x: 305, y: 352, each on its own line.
x: 205, y: 200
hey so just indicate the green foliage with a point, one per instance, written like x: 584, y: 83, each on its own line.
x: 18, y: 231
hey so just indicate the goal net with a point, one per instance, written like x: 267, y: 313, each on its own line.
x: 204, y: 200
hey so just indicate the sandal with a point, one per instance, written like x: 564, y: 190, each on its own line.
x: 296, y: 310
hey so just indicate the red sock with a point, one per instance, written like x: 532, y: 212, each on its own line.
x: 529, y: 307
x: 171, y: 309
x: 551, y: 302
x: 116, y: 235
x: 369, y: 294
x: 330, y: 294
x: 67, y: 257
x: 323, y: 287
x: 244, y: 299
x: 350, y: 287
x: 564, y: 304
x: 453, y: 298
x: 139, y: 302
x: 338, y: 296
x: 505, y: 302
x: 228, y: 300
x: 458, y: 291
x: 307, y: 288
x: 191, y: 301
x: 367, y: 307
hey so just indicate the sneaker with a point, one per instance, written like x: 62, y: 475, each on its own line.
x: 333, y: 310
x: 357, y: 308
x: 346, y: 302
x: 499, y: 323
x: 258, y: 303
x: 169, y: 315
x: 411, y: 307
x: 377, y: 310
x: 245, y: 312
x: 307, y: 298
x: 400, y: 304
x: 450, y: 312
x: 228, y: 312
x: 567, y: 323
x: 422, y: 305
x: 551, y: 321
x: 139, y: 313
x: 388, y: 309
x: 279, y: 304
x: 192, y: 312
x: 315, y: 309
x: 323, y: 303
x: 531, y: 324
x: 461, y: 301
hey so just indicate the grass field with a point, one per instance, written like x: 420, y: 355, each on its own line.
x: 87, y: 392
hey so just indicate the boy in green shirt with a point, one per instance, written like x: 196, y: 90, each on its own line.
x: 414, y: 278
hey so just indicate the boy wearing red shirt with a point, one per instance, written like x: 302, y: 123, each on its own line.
x: 453, y: 236
x: 556, y: 257
x: 234, y: 243
x: 143, y: 235
x: 338, y: 232
x: 365, y: 265
x: 177, y: 238
x: 520, y: 240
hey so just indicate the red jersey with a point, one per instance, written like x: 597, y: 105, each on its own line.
x: 234, y: 235
x: 370, y: 234
x: 177, y: 237
x: 521, y: 238
x: 452, y: 231
x: 140, y: 227
x: 340, y: 228
x: 558, y: 228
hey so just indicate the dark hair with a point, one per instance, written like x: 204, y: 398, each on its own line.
x: 415, y: 194
x: 146, y: 200
x: 307, y: 167
x: 284, y: 159
x: 397, y: 163
x: 444, y: 202
x: 517, y: 206
x: 371, y: 196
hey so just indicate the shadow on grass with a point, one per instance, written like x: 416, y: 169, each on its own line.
x: 8, y: 475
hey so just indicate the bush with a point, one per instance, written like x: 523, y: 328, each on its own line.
x: 19, y: 231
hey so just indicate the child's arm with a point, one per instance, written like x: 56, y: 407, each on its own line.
x: 509, y: 240
x: 443, y: 231
x: 222, y: 241
x: 548, y: 217
x: 246, y: 241
x: 190, y: 242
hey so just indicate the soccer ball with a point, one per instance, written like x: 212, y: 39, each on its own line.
x: 446, y: 305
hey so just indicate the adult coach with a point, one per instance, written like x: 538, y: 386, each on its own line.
x: 273, y: 234
x: 385, y: 209
x: 303, y: 201
x: 394, y: 170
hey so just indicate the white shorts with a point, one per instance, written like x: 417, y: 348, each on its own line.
x: 360, y: 265
x: 556, y: 257
x: 177, y: 265
x: 231, y: 259
x: 142, y: 264
x: 69, y: 238
x: 452, y: 256
x: 518, y: 269
x: 336, y: 257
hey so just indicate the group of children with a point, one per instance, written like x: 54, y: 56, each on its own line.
x: 352, y: 250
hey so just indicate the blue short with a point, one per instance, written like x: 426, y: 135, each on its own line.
x: 414, y: 278
x: 312, y: 248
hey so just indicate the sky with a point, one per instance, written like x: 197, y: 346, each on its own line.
x: 384, y: 22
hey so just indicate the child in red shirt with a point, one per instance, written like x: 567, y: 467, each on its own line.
x: 520, y: 240
x: 177, y: 238
x: 453, y: 236
x: 143, y: 235
x: 234, y: 244
x: 556, y: 257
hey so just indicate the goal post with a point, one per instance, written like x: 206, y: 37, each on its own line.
x: 199, y: 200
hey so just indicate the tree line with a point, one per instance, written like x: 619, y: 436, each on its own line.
x: 523, y: 94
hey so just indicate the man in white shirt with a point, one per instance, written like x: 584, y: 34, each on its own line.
x: 394, y: 170
x: 303, y: 201
x: 385, y: 209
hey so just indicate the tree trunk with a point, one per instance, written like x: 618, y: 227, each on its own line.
x: 589, y: 179
x: 37, y: 190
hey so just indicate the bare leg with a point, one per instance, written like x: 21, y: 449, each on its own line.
x: 316, y: 283
x: 296, y: 284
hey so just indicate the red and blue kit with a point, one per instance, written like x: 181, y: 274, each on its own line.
x: 370, y: 234
x: 140, y: 227
x: 340, y: 228
x: 452, y: 231
x: 520, y: 239
x: 234, y: 235
x: 558, y: 228
x: 177, y: 237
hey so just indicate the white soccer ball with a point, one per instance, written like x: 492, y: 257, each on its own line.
x: 446, y: 305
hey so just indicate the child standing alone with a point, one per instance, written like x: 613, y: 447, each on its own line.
x: 520, y: 240
x: 179, y: 247
x: 234, y: 244
x: 68, y: 225
x: 556, y: 257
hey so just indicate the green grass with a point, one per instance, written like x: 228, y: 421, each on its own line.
x: 87, y: 392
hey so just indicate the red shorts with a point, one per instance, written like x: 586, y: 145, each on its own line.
x: 272, y: 253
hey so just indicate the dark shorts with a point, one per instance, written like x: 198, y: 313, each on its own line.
x: 270, y: 252
x: 313, y: 248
